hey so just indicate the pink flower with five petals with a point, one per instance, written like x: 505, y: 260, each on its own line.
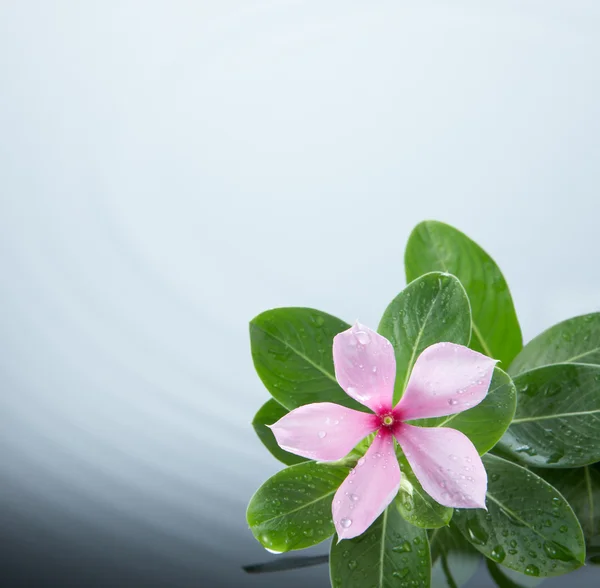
x: 446, y: 379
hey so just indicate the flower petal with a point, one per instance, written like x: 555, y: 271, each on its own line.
x: 446, y: 463
x: 365, y: 366
x: 368, y: 489
x: 323, y: 431
x: 446, y: 379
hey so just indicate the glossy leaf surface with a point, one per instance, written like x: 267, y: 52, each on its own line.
x: 292, y: 353
x: 292, y: 509
x: 529, y: 527
x: 392, y: 553
x: 576, y: 340
x: 581, y: 488
x: 556, y: 422
x: 435, y: 246
x: 432, y: 309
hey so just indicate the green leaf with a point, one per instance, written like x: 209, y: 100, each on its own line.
x: 576, y: 340
x: 556, y: 422
x: 431, y: 309
x: 581, y: 489
x: 436, y: 246
x: 454, y: 559
x: 269, y: 413
x: 292, y: 349
x: 391, y: 553
x: 415, y: 505
x: 529, y: 526
x: 485, y: 423
x: 292, y: 509
x: 506, y: 578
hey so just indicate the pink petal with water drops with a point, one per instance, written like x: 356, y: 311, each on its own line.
x: 365, y: 366
x: 446, y: 464
x: 368, y: 489
x: 446, y: 379
x: 323, y: 431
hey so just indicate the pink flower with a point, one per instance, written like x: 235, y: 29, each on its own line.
x: 446, y: 379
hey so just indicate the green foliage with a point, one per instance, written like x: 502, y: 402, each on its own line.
x: 292, y: 349
x: 391, y: 553
x: 576, y: 340
x: 431, y: 309
x: 435, y: 246
x: 292, y: 509
x: 528, y: 527
x: 556, y: 422
x: 538, y: 522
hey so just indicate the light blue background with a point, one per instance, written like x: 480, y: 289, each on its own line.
x: 168, y: 170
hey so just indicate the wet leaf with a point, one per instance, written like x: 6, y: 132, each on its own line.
x: 506, y: 578
x: 391, y: 553
x: 292, y: 349
x: 529, y: 527
x: 435, y: 246
x: 432, y: 309
x: 292, y: 509
x: 556, y: 422
x: 576, y: 340
x: 581, y: 488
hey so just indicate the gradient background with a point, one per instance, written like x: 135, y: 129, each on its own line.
x: 168, y: 170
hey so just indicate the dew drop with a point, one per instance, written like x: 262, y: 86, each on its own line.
x: 452, y: 402
x: 477, y: 533
x: 401, y: 573
x: 346, y: 523
x: 273, y: 551
x: 498, y: 554
x: 361, y: 461
x: 354, y: 497
x: 321, y: 434
x: 403, y: 547
x: 352, y: 564
x: 532, y: 570
x: 453, y: 457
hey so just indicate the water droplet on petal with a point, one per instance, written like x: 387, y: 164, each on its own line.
x: 453, y: 457
x: 452, y: 402
x: 322, y: 434
x: 354, y: 497
x: 345, y: 523
x: 361, y: 461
